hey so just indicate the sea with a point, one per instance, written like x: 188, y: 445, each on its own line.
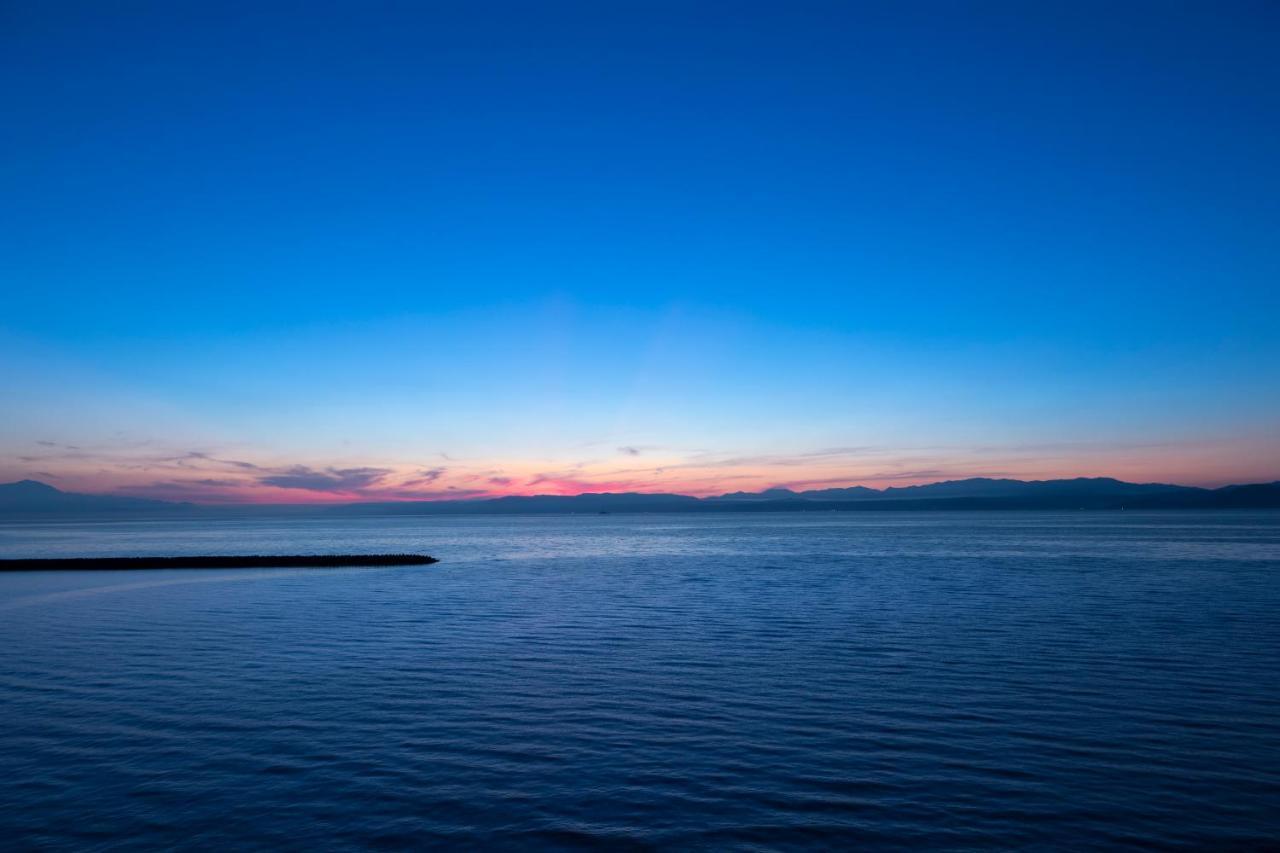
x: 793, y: 681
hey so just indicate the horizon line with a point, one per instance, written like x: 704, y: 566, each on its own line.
x: 357, y: 499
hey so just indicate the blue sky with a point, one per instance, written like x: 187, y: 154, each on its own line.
x: 655, y: 246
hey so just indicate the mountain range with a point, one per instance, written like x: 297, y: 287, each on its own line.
x: 976, y: 487
x: 32, y: 496
x: 29, y: 497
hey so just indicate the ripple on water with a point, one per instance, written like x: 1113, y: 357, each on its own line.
x: 941, y: 680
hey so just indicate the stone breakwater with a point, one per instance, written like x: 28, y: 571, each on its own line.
x: 254, y: 561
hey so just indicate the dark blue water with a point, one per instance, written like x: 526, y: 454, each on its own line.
x: 787, y: 681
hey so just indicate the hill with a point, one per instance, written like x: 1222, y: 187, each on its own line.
x: 32, y: 498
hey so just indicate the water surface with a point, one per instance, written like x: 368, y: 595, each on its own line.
x: 952, y: 680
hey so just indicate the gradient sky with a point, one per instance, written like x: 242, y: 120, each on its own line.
x: 316, y: 251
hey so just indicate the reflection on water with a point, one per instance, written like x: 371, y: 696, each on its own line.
x: 948, y: 680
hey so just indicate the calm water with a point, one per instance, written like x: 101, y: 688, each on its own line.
x: 943, y: 680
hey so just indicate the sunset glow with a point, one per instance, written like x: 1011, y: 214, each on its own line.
x: 339, y: 264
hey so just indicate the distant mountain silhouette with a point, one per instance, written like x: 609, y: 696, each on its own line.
x: 848, y: 493
x: 31, y: 497
x: 972, y: 494
x: 588, y: 503
x: 766, y: 495
x: 1248, y: 496
x: 976, y: 487
x: 984, y: 487
x: 29, y: 492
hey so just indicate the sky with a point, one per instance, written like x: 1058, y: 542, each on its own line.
x: 288, y: 252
